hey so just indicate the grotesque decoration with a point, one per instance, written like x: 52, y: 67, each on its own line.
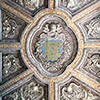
x: 10, y: 64
x: 11, y: 26
x: 74, y: 5
x: 30, y: 4
x: 77, y: 92
x: 54, y: 45
x: 93, y: 27
x: 92, y: 64
x: 30, y: 91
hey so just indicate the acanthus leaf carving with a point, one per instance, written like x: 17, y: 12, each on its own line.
x: 29, y: 91
x: 10, y: 64
x: 93, y: 27
x: 92, y: 65
x: 54, y: 45
x: 77, y: 92
x: 30, y: 4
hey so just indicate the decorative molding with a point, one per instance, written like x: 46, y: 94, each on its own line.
x: 30, y: 63
x: 28, y: 6
x: 74, y: 6
x: 15, y: 80
x: 32, y: 90
x: 53, y: 45
x: 91, y: 63
x: 73, y: 89
x: 90, y: 27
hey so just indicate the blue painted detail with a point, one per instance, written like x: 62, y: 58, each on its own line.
x: 52, y: 49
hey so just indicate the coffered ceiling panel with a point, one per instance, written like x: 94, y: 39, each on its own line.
x: 12, y: 26
x: 32, y: 90
x: 74, y: 6
x: 73, y: 89
x: 29, y: 6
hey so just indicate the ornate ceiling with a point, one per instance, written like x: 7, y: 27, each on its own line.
x: 50, y: 50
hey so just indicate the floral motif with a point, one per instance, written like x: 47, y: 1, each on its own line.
x: 76, y: 92
x: 74, y: 4
x: 31, y: 91
x: 10, y: 28
x: 30, y: 4
x: 93, y: 64
x: 10, y: 64
x: 94, y: 28
x: 54, y: 47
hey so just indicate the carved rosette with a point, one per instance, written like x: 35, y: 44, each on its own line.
x: 53, y: 45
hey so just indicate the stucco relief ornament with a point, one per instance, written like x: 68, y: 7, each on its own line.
x: 30, y: 4
x: 94, y: 27
x: 76, y: 92
x: 10, y: 28
x: 93, y: 64
x: 10, y: 64
x: 54, y: 46
x: 51, y: 46
x: 74, y: 4
x: 31, y: 91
